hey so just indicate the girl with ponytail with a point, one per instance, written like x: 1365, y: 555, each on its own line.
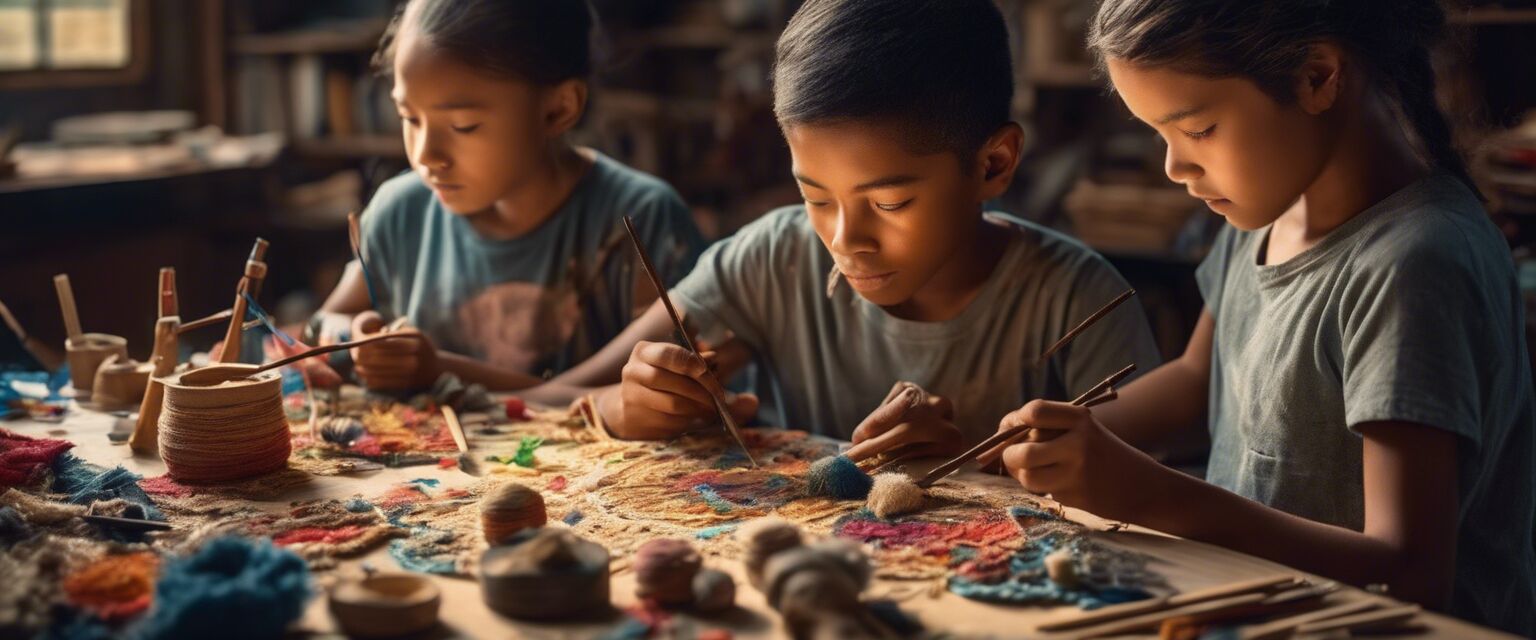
x: 1360, y: 363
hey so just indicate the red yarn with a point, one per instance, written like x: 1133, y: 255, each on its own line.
x: 318, y: 534
x: 165, y: 486
x: 556, y: 483
x: 24, y: 459
x: 931, y: 538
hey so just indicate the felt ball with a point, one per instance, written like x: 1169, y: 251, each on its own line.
x: 1061, y: 566
x: 664, y: 571
x: 837, y: 477
x: 713, y: 591
x: 848, y: 556
x: 894, y: 494
x: 761, y: 539
x: 509, y: 508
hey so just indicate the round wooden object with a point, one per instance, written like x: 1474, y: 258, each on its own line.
x: 546, y: 574
x: 385, y: 605
x: 120, y: 383
x: 508, y: 509
x: 229, y: 431
x: 664, y: 571
x: 86, y: 355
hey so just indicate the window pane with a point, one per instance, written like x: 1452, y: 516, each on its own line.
x: 87, y: 34
x: 18, y: 34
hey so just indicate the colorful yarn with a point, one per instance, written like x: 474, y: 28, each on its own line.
x: 231, y: 588
x: 116, y: 587
x: 225, y: 432
x: 1024, y: 578
x: 23, y: 459
x: 837, y: 477
x: 87, y: 483
x: 165, y: 486
x: 710, y: 533
x: 508, y: 509
x: 557, y: 483
x: 319, y: 534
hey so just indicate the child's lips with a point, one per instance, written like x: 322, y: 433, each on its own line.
x: 868, y: 282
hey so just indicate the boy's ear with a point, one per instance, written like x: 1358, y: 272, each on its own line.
x: 564, y: 104
x: 1321, y: 78
x: 999, y: 159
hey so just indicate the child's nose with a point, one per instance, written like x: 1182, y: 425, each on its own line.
x: 429, y: 150
x: 851, y: 235
x: 1179, y: 168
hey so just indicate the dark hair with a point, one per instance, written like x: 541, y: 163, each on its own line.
x: 940, y: 69
x: 1268, y: 40
x: 541, y: 41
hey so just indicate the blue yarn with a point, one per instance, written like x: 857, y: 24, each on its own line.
x: 86, y: 483
x: 710, y: 533
x: 1029, y: 582
x: 572, y: 517
x: 427, y: 482
x: 714, y: 499
x: 410, y: 560
x: 359, y: 505
x: 13, y: 528
x: 231, y: 588
x: 1031, y: 512
x: 837, y: 477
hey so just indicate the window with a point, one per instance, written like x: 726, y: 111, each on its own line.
x: 52, y: 42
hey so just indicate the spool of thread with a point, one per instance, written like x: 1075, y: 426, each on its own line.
x: 508, y: 509
x: 385, y: 605
x: 1061, y: 566
x: 119, y: 383
x: 546, y: 574
x: 817, y: 588
x: 228, y: 431
x: 893, y: 494
x: 761, y: 539
x: 837, y: 477
x: 714, y: 591
x: 664, y: 571
x: 86, y: 352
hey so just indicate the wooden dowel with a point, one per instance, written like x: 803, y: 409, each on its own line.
x: 233, y: 334
x: 1152, y: 619
x: 455, y: 428
x: 67, y: 305
x: 1118, y: 611
x: 256, y: 266
x: 1286, y: 627
x: 1390, y: 615
x: 1004, y: 436
x: 1085, y: 324
x: 167, y: 299
x: 10, y: 321
x: 146, y: 432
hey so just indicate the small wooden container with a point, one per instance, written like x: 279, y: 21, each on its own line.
x: 385, y: 605
x: 86, y: 353
x: 119, y: 383
x: 546, y: 574
x: 205, y: 448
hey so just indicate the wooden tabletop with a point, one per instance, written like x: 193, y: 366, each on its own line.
x: 1186, y: 564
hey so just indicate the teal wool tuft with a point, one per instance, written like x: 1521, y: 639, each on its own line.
x: 837, y: 477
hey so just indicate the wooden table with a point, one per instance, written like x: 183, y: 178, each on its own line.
x: 1186, y: 564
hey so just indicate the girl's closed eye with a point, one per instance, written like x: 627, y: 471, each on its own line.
x: 467, y: 128
x: 894, y: 206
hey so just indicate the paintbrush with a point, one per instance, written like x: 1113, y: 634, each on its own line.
x: 1003, y: 437
x: 41, y: 352
x: 355, y: 238
x: 1084, y: 325
x: 467, y: 463
x: 215, y: 374
x: 711, y: 385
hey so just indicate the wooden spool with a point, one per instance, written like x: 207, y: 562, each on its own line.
x: 227, y: 431
x: 119, y: 383
x: 509, y: 509
x: 547, y: 574
x: 385, y: 605
x: 86, y: 352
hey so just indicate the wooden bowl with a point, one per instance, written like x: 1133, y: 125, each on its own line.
x: 86, y: 355
x: 385, y: 605
x: 120, y: 383
x: 517, y: 584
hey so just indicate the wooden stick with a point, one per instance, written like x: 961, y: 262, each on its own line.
x: 1097, y: 395
x: 209, y: 321
x: 1286, y: 627
x: 355, y: 238
x: 49, y: 358
x: 1004, y: 436
x: 1084, y: 325
x: 146, y: 431
x: 1153, y: 619
x: 1118, y: 611
x: 67, y: 305
x: 168, y: 303
x: 455, y: 428
x: 711, y: 385
x: 236, y: 328
x: 256, y: 266
x: 1382, y: 617
x: 214, y: 375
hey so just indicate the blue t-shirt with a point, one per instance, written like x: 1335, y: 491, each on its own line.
x: 540, y: 303
x: 1407, y: 312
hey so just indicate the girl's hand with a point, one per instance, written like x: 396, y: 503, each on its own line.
x: 663, y: 395
x: 1078, y: 461
x: 392, y: 365
x: 912, y: 418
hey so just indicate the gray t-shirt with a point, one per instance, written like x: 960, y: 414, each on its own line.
x: 1407, y: 312
x: 826, y: 363
x: 538, y: 303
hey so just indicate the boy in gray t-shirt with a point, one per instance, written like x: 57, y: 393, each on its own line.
x: 897, y: 118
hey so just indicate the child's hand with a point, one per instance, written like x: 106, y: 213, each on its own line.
x: 663, y: 394
x: 912, y: 418
x: 1076, y: 460
x: 392, y: 365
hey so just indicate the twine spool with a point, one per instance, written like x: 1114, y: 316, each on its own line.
x: 546, y: 574
x: 664, y: 571
x: 761, y: 539
x: 509, y: 509
x: 228, y: 431
x: 385, y: 605
x: 87, y: 353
